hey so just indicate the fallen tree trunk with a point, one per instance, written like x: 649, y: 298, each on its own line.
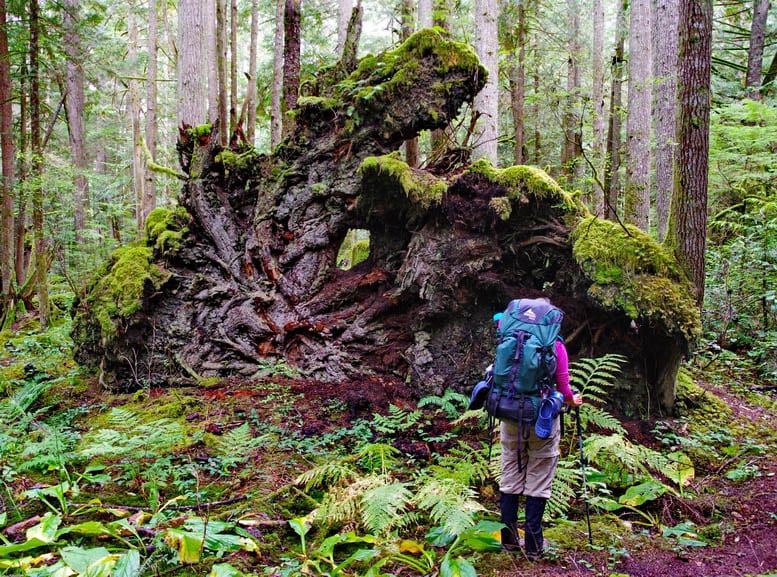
x: 242, y: 279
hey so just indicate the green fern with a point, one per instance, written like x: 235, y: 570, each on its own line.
x: 450, y: 504
x: 397, y: 421
x: 237, y: 446
x: 451, y: 403
x: 565, y: 485
x: 591, y: 415
x: 379, y: 457
x: 130, y: 437
x: 328, y: 474
x: 620, y: 459
x: 384, y: 506
x: 463, y: 464
x: 595, y: 377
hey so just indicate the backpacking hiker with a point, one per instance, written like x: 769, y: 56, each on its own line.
x: 530, y: 377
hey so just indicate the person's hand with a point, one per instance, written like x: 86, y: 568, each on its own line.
x: 577, y: 400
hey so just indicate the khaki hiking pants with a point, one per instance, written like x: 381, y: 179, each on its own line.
x: 538, y: 459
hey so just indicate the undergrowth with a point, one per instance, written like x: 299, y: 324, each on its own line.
x: 189, y: 484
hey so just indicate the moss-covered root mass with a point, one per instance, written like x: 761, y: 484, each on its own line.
x: 420, y: 187
x: 631, y: 272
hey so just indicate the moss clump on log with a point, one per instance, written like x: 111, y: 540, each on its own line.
x: 420, y: 187
x: 165, y: 229
x: 519, y: 181
x: 118, y: 288
x: 633, y: 273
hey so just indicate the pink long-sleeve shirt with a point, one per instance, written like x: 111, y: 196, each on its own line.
x: 562, y: 371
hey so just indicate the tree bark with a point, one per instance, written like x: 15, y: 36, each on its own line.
x: 572, y: 148
x: 8, y: 169
x: 408, y: 27
x: 611, y: 174
x: 74, y: 103
x: 233, y: 106
x: 517, y: 75
x: 425, y: 18
x: 599, y: 125
x: 252, y: 75
x: 688, y: 224
x: 138, y: 174
x: 664, y: 106
x: 756, y: 50
x: 637, y: 193
x: 487, y: 101
x: 291, y: 60
x: 149, y: 184
x: 40, y: 242
x: 344, y: 9
x: 221, y: 71
x: 276, y: 112
x: 192, y: 87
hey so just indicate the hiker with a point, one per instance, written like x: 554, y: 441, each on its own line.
x: 529, y: 465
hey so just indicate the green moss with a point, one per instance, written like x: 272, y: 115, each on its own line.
x: 392, y: 70
x: 360, y: 252
x: 420, y: 187
x: 201, y: 130
x: 118, y: 289
x: 521, y: 180
x: 165, y: 229
x: 244, y: 161
x: 317, y: 102
x: 632, y: 272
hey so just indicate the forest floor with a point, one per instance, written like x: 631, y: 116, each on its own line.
x: 743, y: 513
x: 731, y: 502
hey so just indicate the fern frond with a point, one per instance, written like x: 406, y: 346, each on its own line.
x: 464, y: 465
x: 616, y: 451
x: 600, y: 418
x: 122, y: 419
x: 130, y: 437
x: 450, y: 504
x: 16, y: 405
x: 342, y: 504
x: 378, y: 456
x: 397, y: 420
x: 593, y: 377
x: 383, y: 506
x: 565, y: 486
x: 237, y: 445
x: 327, y: 474
x: 452, y: 403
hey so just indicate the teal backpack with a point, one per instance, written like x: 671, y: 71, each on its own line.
x: 525, y: 360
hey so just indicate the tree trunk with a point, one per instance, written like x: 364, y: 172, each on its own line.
x: 252, y: 75
x: 599, y: 128
x: 425, y: 18
x: 276, y: 113
x: 664, y: 106
x: 536, y: 106
x: 756, y: 51
x: 75, y: 113
x: 221, y: 70
x: 688, y: 225
x: 20, y: 232
x: 138, y: 174
x: 211, y: 56
x: 40, y: 242
x: 408, y: 27
x: 233, y: 106
x: 291, y: 60
x: 149, y: 184
x: 637, y: 197
x: 770, y: 75
x: 611, y: 173
x: 487, y: 101
x: 572, y: 147
x: 192, y: 105
x: 344, y: 9
x: 517, y: 74
x: 8, y: 170
x: 440, y: 11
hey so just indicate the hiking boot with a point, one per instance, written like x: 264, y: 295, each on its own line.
x: 510, y: 540
x: 508, y: 507
x: 535, y: 509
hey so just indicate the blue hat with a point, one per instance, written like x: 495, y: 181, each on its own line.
x: 479, y: 394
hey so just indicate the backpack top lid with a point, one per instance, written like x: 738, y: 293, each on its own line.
x: 530, y: 311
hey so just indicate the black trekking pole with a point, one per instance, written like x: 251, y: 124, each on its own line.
x: 582, y: 467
